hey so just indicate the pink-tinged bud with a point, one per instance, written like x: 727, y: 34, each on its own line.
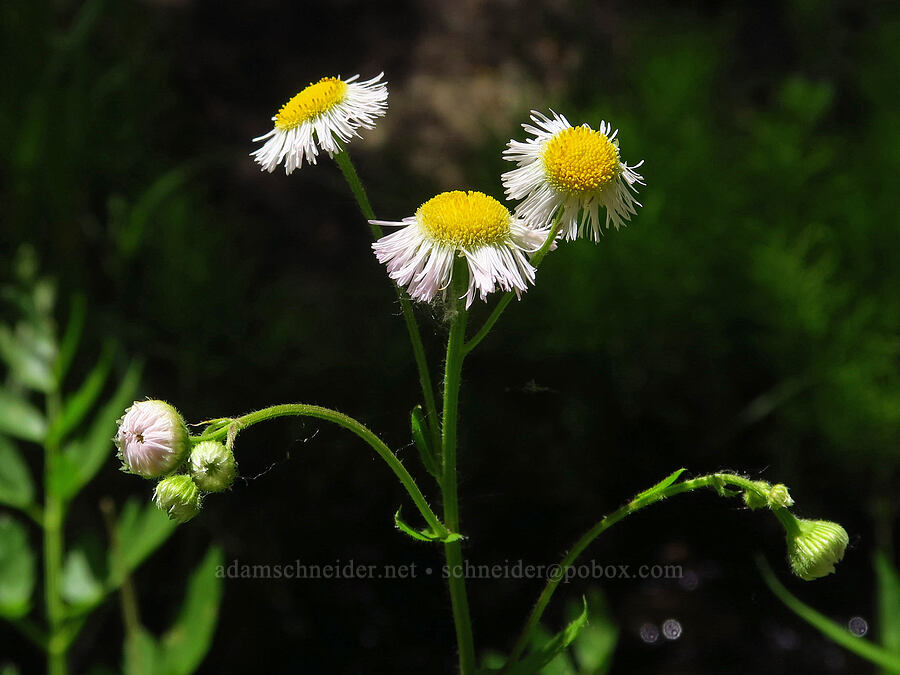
x: 152, y: 439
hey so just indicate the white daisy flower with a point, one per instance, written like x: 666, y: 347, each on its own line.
x: 564, y: 170
x: 494, y: 243
x: 326, y: 112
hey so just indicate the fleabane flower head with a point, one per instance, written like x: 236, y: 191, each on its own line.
x: 321, y: 116
x: 565, y: 170
x: 494, y: 243
x: 152, y: 439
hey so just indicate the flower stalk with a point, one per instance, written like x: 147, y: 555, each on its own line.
x: 716, y: 481
x: 449, y: 488
x: 224, y: 428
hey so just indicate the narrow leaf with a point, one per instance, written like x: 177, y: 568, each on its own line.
x: 888, y: 603
x: 79, y: 404
x: 140, y: 530
x: 541, y: 657
x: 142, y: 655
x: 27, y: 364
x: 419, y: 428
x: 833, y: 631
x: 16, y: 485
x: 80, y: 587
x: 423, y: 535
x: 660, y: 486
x: 16, y: 569
x: 71, y: 337
x: 84, y: 456
x: 186, y: 643
x: 20, y: 419
x: 415, y: 534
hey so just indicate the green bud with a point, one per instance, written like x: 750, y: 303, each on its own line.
x: 779, y: 497
x: 814, y: 546
x: 178, y: 497
x: 212, y: 466
x: 771, y: 496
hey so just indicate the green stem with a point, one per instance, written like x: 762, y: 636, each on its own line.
x: 834, y: 632
x: 507, y: 298
x: 342, y: 420
x: 453, y: 550
x: 716, y: 481
x: 54, y: 515
x: 53, y: 522
x: 415, y: 336
x: 127, y: 594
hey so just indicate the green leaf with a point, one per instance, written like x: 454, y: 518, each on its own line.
x: 142, y: 655
x: 140, y: 531
x: 660, y: 486
x: 28, y: 365
x: 130, y: 236
x: 80, y: 587
x: 540, y: 657
x: 71, y: 337
x: 423, y: 535
x: 16, y: 569
x: 83, y: 457
x: 16, y: 486
x: 21, y: 419
x: 420, y: 435
x: 888, y: 603
x: 79, y: 404
x: 185, y: 644
x: 833, y: 631
x: 595, y: 645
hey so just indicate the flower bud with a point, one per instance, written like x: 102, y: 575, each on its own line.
x: 178, y: 497
x: 771, y: 496
x: 212, y: 466
x: 152, y: 439
x: 814, y: 546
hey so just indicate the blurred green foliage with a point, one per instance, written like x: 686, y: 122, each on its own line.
x: 38, y: 406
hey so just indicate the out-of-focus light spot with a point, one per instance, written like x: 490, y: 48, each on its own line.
x: 689, y: 581
x: 671, y: 629
x: 858, y: 626
x: 649, y: 633
x: 786, y: 639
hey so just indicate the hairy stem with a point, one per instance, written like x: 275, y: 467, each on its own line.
x: 225, y: 427
x: 453, y: 550
x: 415, y: 336
x: 716, y: 481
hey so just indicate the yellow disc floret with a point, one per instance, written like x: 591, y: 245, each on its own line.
x: 581, y: 161
x: 465, y: 219
x: 317, y: 98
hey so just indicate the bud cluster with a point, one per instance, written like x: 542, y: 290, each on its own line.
x: 153, y: 442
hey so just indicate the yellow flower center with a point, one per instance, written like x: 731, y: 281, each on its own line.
x: 580, y: 161
x: 465, y: 219
x: 313, y: 101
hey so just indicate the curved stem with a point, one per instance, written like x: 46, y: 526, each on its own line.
x: 716, y: 481
x: 453, y: 550
x: 415, y: 336
x: 342, y: 420
x: 507, y: 298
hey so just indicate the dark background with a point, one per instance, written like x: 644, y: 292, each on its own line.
x: 746, y: 320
